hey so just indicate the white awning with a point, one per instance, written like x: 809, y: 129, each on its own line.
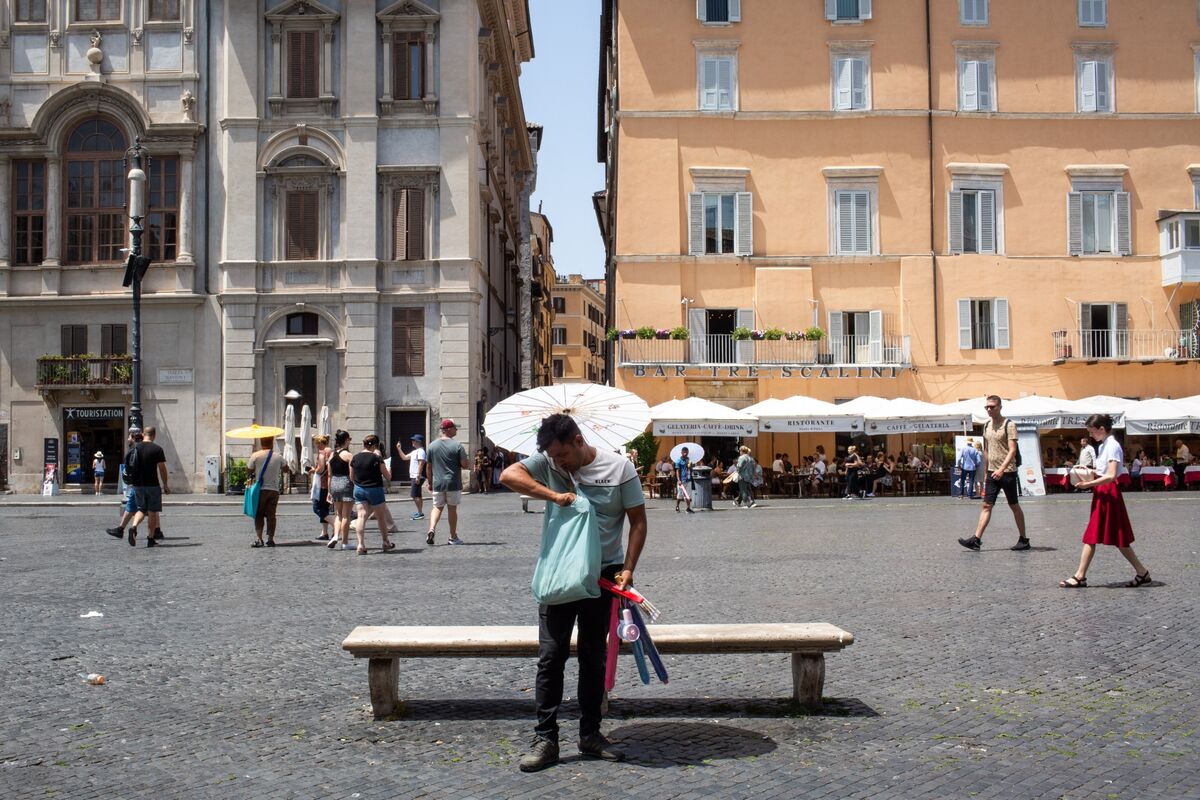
x: 801, y: 414
x: 904, y: 415
x: 695, y: 416
x: 1159, y: 416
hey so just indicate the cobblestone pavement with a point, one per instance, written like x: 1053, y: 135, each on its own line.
x: 973, y: 675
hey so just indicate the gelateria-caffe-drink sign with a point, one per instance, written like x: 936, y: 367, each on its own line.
x: 782, y: 371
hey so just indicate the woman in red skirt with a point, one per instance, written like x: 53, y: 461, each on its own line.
x: 1109, y: 523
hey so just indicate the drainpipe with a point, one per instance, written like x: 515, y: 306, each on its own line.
x: 937, y: 339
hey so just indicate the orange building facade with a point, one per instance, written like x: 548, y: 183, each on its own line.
x: 964, y: 196
x: 577, y: 335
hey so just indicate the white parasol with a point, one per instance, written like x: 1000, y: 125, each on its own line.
x: 289, y: 436
x: 608, y: 417
x: 305, y: 437
x: 325, y: 426
x: 695, y: 452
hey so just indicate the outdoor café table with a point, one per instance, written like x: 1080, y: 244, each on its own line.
x: 1057, y: 477
x: 1191, y: 475
x: 1164, y: 476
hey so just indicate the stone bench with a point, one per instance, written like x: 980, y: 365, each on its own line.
x: 385, y: 646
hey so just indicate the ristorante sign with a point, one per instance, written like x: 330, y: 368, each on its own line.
x: 782, y: 371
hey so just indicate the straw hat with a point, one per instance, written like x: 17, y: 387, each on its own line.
x: 97, y: 454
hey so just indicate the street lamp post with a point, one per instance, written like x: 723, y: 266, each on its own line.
x: 135, y: 268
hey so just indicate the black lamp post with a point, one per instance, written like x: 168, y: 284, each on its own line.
x: 136, y: 266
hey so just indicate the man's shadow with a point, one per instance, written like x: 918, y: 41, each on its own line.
x: 672, y: 744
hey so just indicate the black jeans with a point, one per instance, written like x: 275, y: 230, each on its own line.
x: 554, y: 645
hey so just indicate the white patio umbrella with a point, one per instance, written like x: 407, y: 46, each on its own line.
x: 325, y: 425
x: 695, y: 452
x: 1159, y: 416
x: 801, y: 414
x: 696, y: 416
x: 305, y: 437
x: 289, y: 436
x: 608, y: 417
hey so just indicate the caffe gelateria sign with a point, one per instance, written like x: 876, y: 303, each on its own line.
x: 744, y: 371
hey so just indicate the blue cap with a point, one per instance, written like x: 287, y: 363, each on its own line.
x: 416, y: 437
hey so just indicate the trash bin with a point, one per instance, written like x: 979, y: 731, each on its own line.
x: 702, y: 491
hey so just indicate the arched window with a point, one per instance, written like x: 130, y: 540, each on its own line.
x: 95, y: 207
x: 303, y: 323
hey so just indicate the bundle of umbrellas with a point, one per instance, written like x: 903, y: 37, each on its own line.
x: 626, y: 625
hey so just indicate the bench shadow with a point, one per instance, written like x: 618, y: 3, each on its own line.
x: 674, y: 744
x: 625, y: 709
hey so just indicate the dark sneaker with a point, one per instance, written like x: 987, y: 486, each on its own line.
x: 133, y: 537
x: 1022, y: 544
x: 116, y: 533
x: 690, y: 511
x: 544, y: 753
x: 158, y: 535
x: 150, y: 541
x: 597, y: 746
x: 429, y: 538
x: 971, y: 542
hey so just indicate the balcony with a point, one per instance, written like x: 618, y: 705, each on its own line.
x: 724, y: 350
x: 1179, y: 246
x: 83, y: 372
x: 1106, y: 344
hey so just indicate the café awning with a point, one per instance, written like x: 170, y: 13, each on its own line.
x: 904, y: 415
x: 801, y: 414
x: 695, y: 416
x: 1159, y: 416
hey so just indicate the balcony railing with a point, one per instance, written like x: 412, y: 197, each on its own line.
x: 72, y: 371
x: 1106, y: 344
x: 722, y: 349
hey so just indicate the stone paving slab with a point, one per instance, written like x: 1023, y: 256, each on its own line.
x: 972, y: 674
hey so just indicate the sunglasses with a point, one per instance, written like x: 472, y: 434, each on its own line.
x: 989, y: 408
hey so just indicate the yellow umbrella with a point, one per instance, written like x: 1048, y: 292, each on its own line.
x: 255, y: 431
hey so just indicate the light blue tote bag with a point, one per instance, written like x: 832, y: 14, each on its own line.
x: 250, y: 501
x: 568, y: 566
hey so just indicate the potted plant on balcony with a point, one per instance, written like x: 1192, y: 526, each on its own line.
x: 662, y: 333
x: 680, y: 333
x: 646, y: 332
x: 794, y: 336
x: 122, y: 372
x: 773, y: 334
x: 757, y: 335
x: 628, y: 333
x: 611, y: 334
x: 741, y: 333
x: 814, y: 334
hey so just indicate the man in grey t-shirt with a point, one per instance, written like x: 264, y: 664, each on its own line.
x: 447, y: 459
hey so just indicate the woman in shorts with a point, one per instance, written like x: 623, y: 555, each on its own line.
x: 341, y: 490
x: 368, y: 472
x: 319, y: 475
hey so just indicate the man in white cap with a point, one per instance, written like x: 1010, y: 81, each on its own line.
x: 447, y: 460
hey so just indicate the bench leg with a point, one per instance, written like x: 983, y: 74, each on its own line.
x: 808, y: 679
x: 383, y: 676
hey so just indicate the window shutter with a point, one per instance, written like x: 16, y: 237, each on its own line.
x: 408, y: 341
x: 837, y: 336
x: 66, y: 341
x: 414, y: 245
x: 1087, y: 86
x: 844, y: 202
x: 987, y: 221
x: 1085, y: 320
x: 735, y: 10
x: 831, y: 9
x: 956, y: 222
x: 1000, y: 323
x: 1121, y: 330
x: 709, y: 91
x: 697, y: 331
x: 745, y: 348
x: 858, y: 75
x: 725, y: 83
x: 875, y: 337
x: 985, y: 86
x: 399, y: 225
x: 970, y: 86
x: 1124, y: 225
x: 843, y: 86
x: 862, y: 222
x: 964, y: 325
x: 1102, y: 96
x: 301, y: 232
x: 1074, y: 223
x: 744, y: 220
x: 695, y: 224
x: 302, y: 63
x: 400, y: 76
x: 702, y: 10
x: 864, y: 9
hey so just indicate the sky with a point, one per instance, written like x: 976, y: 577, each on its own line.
x: 559, y: 90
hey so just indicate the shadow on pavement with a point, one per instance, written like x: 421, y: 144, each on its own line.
x: 673, y: 744
x: 625, y: 709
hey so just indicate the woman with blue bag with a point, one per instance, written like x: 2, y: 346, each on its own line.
x: 262, y: 494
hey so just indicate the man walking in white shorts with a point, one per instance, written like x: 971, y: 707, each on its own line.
x: 446, y: 460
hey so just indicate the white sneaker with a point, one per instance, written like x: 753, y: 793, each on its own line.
x: 455, y: 540
x: 348, y: 546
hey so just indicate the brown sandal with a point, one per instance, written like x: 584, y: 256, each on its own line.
x: 1139, y: 580
x: 1080, y: 583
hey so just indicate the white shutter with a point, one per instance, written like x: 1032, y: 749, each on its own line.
x: 1124, y: 225
x: 695, y: 224
x: 697, y: 333
x: 1000, y: 323
x: 702, y: 10
x: 1087, y: 86
x: 843, y: 86
x: 830, y: 9
x: 745, y: 348
x: 837, y: 337
x: 735, y: 10
x: 984, y: 69
x: 725, y: 83
x: 1121, y: 330
x: 862, y: 222
x: 709, y: 95
x: 875, y: 339
x: 858, y: 77
x: 964, y: 325
x: 956, y: 222
x: 743, y: 235
x: 1074, y: 223
x: 1102, y: 93
x: 969, y: 83
x: 844, y: 202
x: 864, y: 9
x: 987, y: 221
